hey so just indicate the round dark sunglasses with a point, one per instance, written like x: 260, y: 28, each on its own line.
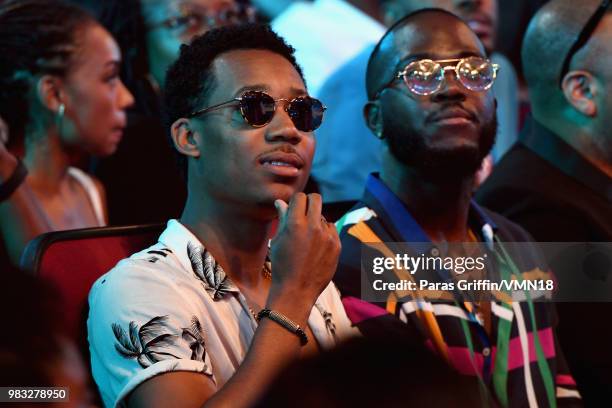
x: 258, y: 108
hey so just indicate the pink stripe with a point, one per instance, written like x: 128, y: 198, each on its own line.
x: 358, y: 310
x: 564, y: 379
x: 460, y: 359
x: 515, y: 353
x: 460, y: 356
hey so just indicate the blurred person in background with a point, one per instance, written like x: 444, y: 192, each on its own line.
x: 347, y: 152
x: 327, y: 33
x: 556, y: 181
x: 270, y: 9
x: 34, y: 350
x: 61, y: 96
x: 150, y: 33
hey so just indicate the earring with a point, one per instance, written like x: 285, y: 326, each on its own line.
x: 59, y: 118
x: 379, y: 134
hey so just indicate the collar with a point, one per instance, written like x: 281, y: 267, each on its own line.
x: 396, y: 218
x: 194, y: 258
x: 565, y: 158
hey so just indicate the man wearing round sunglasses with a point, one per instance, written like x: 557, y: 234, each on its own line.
x: 556, y: 181
x: 339, y: 180
x: 214, y: 310
x: 430, y: 102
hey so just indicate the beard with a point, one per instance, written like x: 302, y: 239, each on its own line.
x: 410, y: 148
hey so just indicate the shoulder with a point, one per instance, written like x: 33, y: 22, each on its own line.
x: 512, y: 180
x: 360, y: 213
x: 99, y: 187
x: 151, y: 275
x: 145, y: 318
x: 354, y: 228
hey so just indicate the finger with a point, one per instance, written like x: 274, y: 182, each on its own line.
x: 297, y: 206
x: 281, y: 209
x: 332, y: 229
x: 315, y: 205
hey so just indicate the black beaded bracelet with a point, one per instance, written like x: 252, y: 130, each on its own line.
x: 285, y: 322
x: 14, y: 181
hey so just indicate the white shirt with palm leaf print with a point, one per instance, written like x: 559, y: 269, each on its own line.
x: 172, y: 308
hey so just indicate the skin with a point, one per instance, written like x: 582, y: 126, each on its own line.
x: 231, y: 207
x: 587, y: 89
x: 576, y: 106
x: 95, y: 97
x: 440, y: 206
x: 163, y: 43
x: 603, y: 48
x: 481, y: 15
x: 94, y: 100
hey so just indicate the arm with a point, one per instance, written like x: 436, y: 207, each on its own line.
x: 272, y: 348
x: 21, y: 216
x: 303, y: 244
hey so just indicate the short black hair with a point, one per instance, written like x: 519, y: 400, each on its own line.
x: 190, y: 79
x: 376, y: 62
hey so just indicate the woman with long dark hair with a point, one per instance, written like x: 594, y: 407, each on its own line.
x: 61, y: 97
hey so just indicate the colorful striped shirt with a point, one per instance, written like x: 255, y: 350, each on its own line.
x: 518, y: 359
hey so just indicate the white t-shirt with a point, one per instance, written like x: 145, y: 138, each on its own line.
x: 172, y: 308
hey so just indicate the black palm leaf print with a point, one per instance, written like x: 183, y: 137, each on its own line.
x: 329, y: 320
x: 145, y: 344
x: 193, y: 335
x: 208, y: 271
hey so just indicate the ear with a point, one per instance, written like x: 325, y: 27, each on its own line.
x: 580, y: 90
x: 373, y: 117
x: 185, y: 139
x: 50, y: 93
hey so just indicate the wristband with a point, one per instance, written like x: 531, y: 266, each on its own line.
x: 14, y: 181
x: 285, y: 322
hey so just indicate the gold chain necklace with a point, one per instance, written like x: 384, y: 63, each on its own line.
x: 267, y: 271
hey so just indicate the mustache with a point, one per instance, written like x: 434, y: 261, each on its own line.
x: 285, y: 148
x: 452, y: 107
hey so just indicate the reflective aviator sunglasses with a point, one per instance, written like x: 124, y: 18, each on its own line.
x: 425, y: 76
x: 258, y: 108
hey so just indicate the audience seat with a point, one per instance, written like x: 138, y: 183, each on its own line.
x: 74, y: 259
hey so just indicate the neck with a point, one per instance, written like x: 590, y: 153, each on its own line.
x: 238, y: 242
x: 585, y: 140
x: 587, y: 146
x: 441, y: 208
x: 46, y: 160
